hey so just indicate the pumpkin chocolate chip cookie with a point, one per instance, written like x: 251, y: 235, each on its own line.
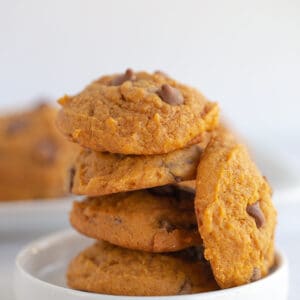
x: 161, y: 219
x: 235, y: 213
x: 34, y: 157
x: 136, y: 113
x: 107, y: 269
x: 102, y: 173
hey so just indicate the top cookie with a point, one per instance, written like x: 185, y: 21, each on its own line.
x: 136, y: 113
x: 235, y: 214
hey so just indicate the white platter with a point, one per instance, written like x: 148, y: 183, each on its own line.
x: 41, y: 266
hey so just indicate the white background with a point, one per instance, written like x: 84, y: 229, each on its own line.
x: 243, y: 54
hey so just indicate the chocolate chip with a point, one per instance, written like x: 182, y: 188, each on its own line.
x: 72, y: 172
x: 255, y: 212
x: 16, y: 126
x: 128, y: 75
x: 256, y: 275
x: 185, y: 288
x: 179, y: 193
x: 45, y: 151
x: 169, y: 226
x: 170, y: 95
x: 166, y: 225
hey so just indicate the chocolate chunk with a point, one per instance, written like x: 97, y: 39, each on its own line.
x: 255, y: 212
x: 256, y: 275
x: 72, y: 172
x: 170, y: 95
x: 185, y: 288
x: 16, y: 126
x: 128, y: 75
x: 45, y: 151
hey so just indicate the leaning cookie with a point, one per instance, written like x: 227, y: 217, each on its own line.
x: 98, y: 173
x: 136, y: 113
x: 156, y: 220
x: 235, y: 213
x: 107, y: 269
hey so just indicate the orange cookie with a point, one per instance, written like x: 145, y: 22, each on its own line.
x: 136, y: 113
x: 235, y: 213
x: 35, y: 159
x: 98, y: 173
x: 107, y: 269
x: 161, y: 219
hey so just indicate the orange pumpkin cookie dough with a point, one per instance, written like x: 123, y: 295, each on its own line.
x: 136, y: 113
x: 161, y: 219
x: 107, y: 269
x: 235, y: 213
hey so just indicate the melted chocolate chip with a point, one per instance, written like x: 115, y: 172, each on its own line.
x: 256, y: 275
x: 45, y: 151
x: 170, y: 95
x: 179, y: 193
x: 128, y: 75
x: 16, y: 126
x: 255, y: 212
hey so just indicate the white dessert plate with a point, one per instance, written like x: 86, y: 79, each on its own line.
x: 41, y: 266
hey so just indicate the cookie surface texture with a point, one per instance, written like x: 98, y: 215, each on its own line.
x: 138, y: 113
x: 155, y: 220
x: 107, y: 269
x: 235, y: 213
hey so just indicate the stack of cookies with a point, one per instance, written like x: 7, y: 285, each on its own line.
x: 174, y: 201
